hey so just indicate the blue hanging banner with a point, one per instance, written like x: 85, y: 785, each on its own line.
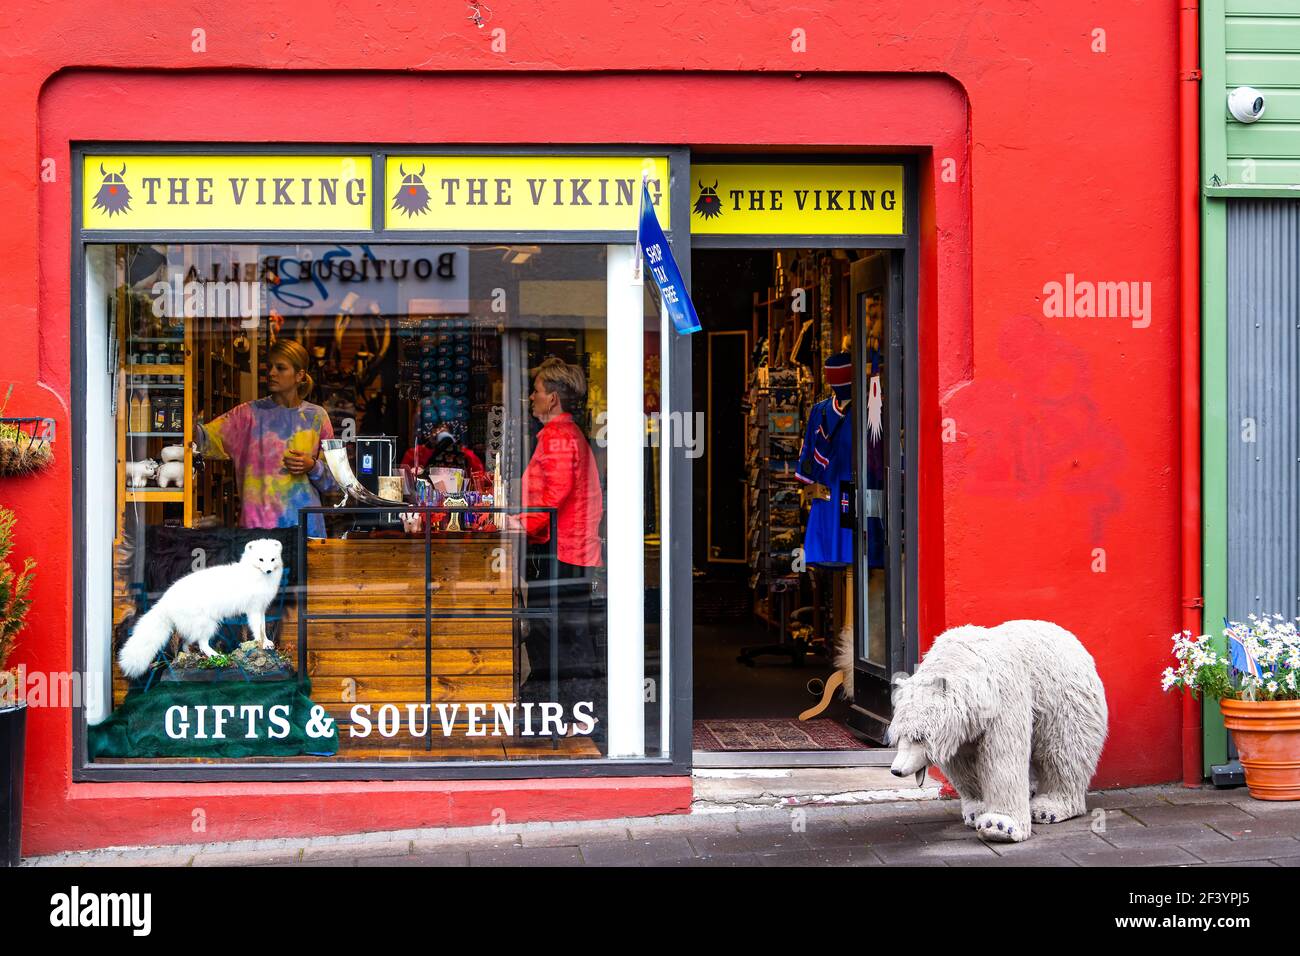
x: 661, y: 264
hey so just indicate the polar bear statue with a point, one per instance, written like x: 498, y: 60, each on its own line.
x: 985, y: 705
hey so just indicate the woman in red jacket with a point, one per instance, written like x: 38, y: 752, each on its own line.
x: 562, y: 475
x: 562, y: 472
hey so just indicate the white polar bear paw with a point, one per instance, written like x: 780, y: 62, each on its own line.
x: 1000, y: 828
x: 1049, y: 810
x: 971, y: 811
x: 267, y: 645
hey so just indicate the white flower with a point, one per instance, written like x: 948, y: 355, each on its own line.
x: 1272, y: 687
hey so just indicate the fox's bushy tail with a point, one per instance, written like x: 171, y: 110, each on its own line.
x: 148, y: 637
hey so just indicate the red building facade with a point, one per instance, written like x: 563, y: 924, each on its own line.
x: 1047, y: 442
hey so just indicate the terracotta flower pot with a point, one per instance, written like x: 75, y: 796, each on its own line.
x: 1267, y: 734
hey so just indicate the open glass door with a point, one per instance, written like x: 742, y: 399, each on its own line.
x: 878, y: 578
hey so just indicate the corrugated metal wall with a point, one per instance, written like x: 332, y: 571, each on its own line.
x: 1262, y: 40
x: 1263, y: 405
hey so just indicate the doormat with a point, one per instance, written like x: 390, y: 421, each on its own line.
x: 785, y: 734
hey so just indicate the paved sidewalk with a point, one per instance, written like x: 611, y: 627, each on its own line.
x: 1150, y: 826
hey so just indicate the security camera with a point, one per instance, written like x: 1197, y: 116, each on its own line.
x: 1246, y: 104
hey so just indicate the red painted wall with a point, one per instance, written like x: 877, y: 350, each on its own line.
x: 1040, y: 155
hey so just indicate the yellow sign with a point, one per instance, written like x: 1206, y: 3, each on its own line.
x: 560, y: 193
x: 796, y: 199
x: 226, y: 192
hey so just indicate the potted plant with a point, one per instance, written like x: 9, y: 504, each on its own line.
x: 1257, y: 684
x: 14, y: 602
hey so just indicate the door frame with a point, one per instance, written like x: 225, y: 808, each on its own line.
x: 872, y: 706
x: 871, y: 711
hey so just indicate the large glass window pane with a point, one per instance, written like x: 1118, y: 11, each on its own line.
x: 373, y: 502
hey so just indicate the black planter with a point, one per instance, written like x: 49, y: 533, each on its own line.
x: 13, y: 733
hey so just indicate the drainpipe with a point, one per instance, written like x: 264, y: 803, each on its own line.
x: 1189, y: 268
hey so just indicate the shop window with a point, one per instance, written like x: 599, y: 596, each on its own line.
x: 372, y: 503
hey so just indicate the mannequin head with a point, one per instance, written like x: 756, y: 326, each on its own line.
x: 838, y: 374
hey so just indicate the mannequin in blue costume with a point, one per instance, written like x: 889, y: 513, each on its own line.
x: 826, y: 458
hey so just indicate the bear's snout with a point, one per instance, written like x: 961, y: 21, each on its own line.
x: 910, y: 759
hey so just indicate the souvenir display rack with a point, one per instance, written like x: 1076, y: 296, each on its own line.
x: 776, y: 404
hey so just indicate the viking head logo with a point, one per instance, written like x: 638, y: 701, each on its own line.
x: 708, y: 205
x: 113, y: 196
x: 412, y: 198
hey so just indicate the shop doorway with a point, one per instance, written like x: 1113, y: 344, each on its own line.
x: 798, y: 509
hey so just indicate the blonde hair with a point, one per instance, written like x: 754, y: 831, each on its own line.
x: 292, y: 352
x: 568, y: 380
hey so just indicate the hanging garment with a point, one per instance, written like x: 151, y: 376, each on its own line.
x: 826, y: 458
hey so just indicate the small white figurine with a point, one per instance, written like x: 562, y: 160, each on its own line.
x: 138, y: 473
x: 171, y: 473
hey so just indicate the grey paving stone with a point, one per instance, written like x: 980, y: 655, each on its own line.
x: 1029, y: 858
x: 776, y: 828
x: 822, y: 856
x: 572, y: 837
x: 452, y: 859
x: 636, y: 852
x: 1182, y: 795
x: 732, y: 859
x: 1180, y: 834
x: 423, y: 859
x: 1136, y: 856
x: 775, y: 819
x: 912, y: 853
x: 1171, y: 791
x: 915, y: 811
x: 1063, y: 844
x: 937, y: 832
x: 1271, y: 825
x: 527, y: 856
x: 1168, y: 813
x: 1246, y: 849
x: 1105, y: 822
x: 460, y: 846
x: 1109, y: 799
x: 247, y: 858
x: 1237, y: 863
x: 120, y: 863
x: 343, y: 851
x: 692, y: 823
x: 871, y: 834
x: 715, y: 844
x: 1262, y: 808
x: 1286, y: 861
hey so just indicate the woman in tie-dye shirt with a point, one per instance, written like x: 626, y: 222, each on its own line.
x: 275, y: 445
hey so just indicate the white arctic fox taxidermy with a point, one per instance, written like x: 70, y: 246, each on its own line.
x: 195, y: 605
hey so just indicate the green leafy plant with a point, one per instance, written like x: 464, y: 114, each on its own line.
x: 15, y: 588
x: 1262, y: 661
